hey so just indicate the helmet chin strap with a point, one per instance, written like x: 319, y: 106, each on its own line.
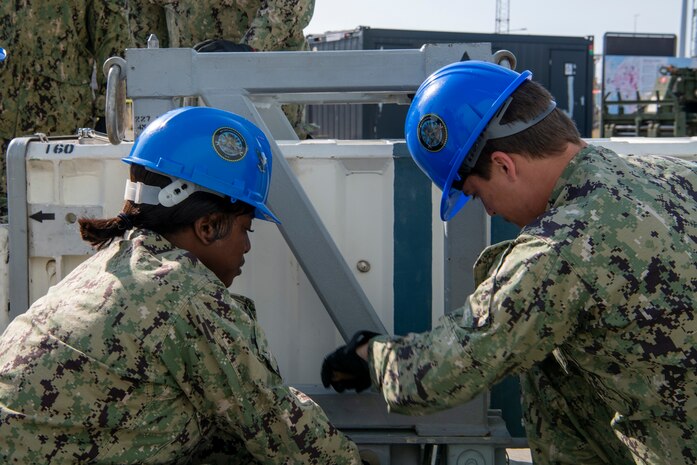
x: 138, y: 193
x: 496, y: 130
x: 168, y: 196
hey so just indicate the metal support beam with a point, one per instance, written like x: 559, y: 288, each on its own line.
x: 254, y: 85
x: 283, y: 77
x: 18, y: 217
x: 308, y: 239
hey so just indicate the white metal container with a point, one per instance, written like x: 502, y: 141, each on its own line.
x: 349, y: 183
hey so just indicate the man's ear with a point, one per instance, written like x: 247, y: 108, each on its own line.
x: 505, y: 163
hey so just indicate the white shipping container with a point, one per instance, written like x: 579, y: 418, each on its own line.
x: 349, y: 183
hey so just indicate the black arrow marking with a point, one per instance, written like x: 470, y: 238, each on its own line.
x: 41, y: 216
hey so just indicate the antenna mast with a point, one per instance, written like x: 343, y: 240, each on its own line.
x: 503, y: 13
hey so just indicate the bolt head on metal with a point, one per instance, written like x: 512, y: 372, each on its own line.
x: 363, y: 266
x: 153, y: 41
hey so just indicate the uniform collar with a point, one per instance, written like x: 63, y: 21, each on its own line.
x: 567, y: 175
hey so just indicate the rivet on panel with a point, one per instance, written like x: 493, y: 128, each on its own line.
x: 363, y: 266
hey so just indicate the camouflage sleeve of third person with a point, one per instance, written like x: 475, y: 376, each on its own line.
x: 279, y: 24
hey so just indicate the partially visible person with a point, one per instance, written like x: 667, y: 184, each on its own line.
x: 141, y: 354
x: 46, y: 82
x: 263, y: 25
x: 594, y: 304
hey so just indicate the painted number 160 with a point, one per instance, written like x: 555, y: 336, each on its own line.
x: 60, y: 148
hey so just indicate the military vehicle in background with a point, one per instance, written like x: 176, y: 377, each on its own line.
x: 670, y: 112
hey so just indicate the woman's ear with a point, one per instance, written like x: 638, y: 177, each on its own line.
x: 204, y: 229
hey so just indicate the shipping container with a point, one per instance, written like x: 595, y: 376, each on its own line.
x: 564, y: 65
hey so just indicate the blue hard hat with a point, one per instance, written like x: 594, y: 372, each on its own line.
x: 216, y: 150
x: 3, y: 54
x: 448, y: 117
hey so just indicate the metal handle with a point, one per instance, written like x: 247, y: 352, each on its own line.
x: 115, y: 111
x: 505, y: 58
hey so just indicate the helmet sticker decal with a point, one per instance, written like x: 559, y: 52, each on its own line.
x: 229, y: 144
x: 262, y: 161
x: 433, y: 134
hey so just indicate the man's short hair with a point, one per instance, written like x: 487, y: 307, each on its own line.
x: 547, y: 138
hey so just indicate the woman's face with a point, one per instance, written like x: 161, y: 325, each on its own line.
x: 225, y: 256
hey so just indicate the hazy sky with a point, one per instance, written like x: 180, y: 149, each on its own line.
x: 538, y: 17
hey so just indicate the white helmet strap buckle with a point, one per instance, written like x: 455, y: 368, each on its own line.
x: 177, y: 191
x: 138, y: 193
x: 168, y: 196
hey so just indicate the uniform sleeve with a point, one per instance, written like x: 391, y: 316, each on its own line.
x: 279, y: 24
x: 528, y: 305
x: 107, y: 23
x: 218, y: 356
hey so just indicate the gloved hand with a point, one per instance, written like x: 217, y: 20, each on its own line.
x: 344, y: 369
x: 221, y: 45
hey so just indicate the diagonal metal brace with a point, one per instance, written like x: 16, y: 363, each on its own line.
x: 255, y: 84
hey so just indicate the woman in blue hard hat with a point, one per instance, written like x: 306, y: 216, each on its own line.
x: 141, y: 354
x: 594, y: 303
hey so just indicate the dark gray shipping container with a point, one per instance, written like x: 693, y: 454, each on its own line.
x: 564, y: 65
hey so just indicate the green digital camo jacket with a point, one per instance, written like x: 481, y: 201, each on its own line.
x: 141, y: 354
x: 52, y: 49
x: 262, y: 24
x: 265, y: 25
x: 608, y: 277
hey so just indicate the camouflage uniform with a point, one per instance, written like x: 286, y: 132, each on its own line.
x: 141, y: 355
x: 595, y: 303
x: 265, y: 25
x: 45, y: 82
x: 262, y: 24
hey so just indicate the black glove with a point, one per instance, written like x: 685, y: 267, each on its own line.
x: 344, y: 369
x: 221, y: 45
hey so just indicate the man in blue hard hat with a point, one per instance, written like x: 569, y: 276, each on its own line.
x: 594, y: 303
